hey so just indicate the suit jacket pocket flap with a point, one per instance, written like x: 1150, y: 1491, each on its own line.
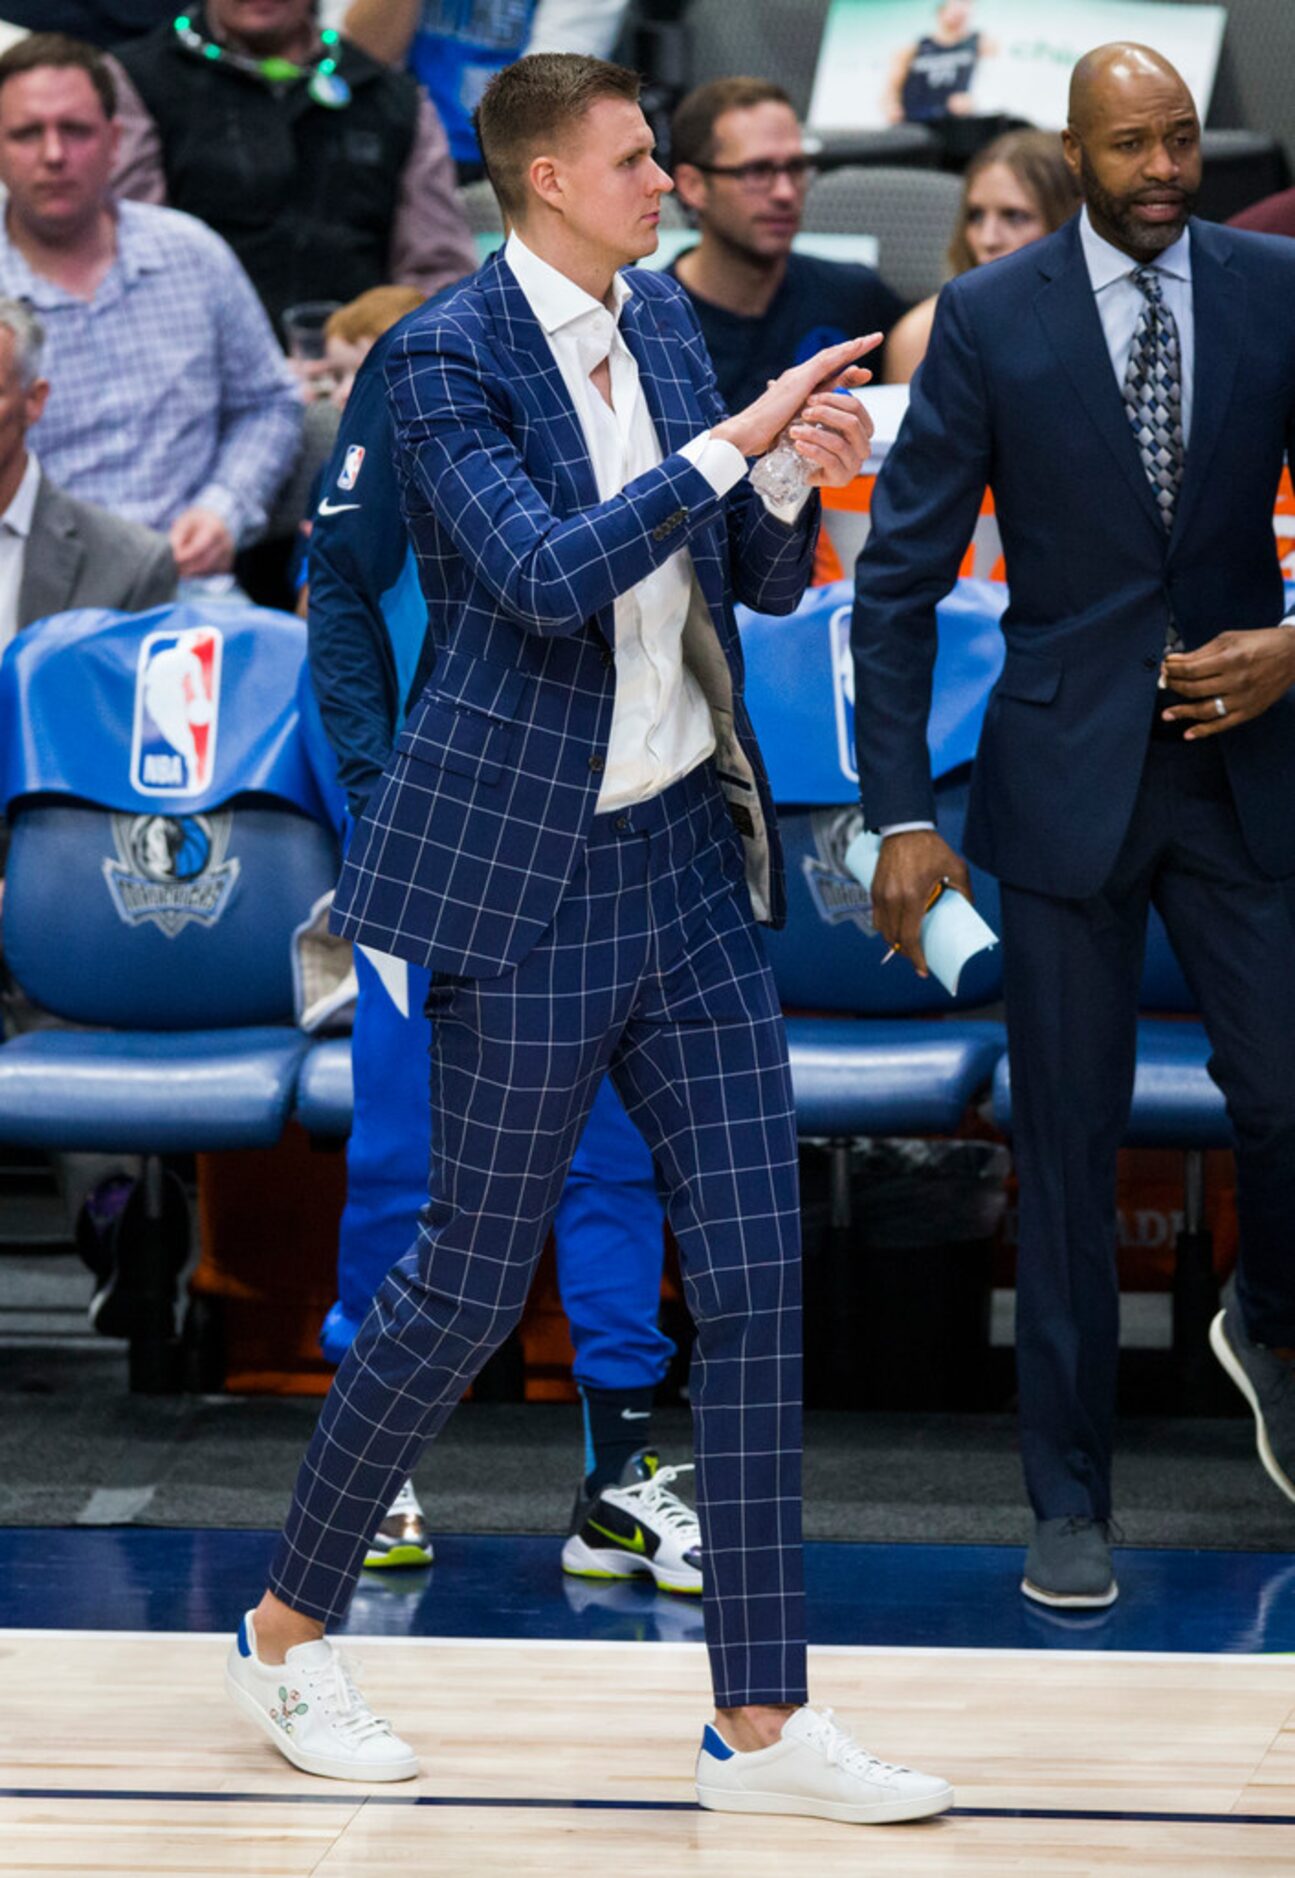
x: 477, y: 684
x: 1033, y: 679
x: 465, y: 741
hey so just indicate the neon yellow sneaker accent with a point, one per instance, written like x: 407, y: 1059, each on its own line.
x: 636, y: 1544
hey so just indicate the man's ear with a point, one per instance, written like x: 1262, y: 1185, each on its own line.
x: 545, y: 179
x: 36, y: 396
x: 690, y: 186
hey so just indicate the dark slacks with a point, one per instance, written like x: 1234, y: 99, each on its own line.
x: 654, y: 972
x: 1072, y: 970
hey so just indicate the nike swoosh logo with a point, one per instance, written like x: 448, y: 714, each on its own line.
x: 636, y: 1544
x: 335, y: 508
x: 636, y: 1415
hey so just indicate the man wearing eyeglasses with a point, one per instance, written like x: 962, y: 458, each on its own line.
x: 740, y: 167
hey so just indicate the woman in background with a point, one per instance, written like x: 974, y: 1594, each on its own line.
x: 1016, y: 190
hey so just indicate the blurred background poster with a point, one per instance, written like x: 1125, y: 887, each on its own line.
x: 917, y: 61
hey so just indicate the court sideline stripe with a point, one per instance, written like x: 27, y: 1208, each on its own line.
x: 485, y: 1803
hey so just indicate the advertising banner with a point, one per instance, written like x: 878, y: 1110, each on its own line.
x: 916, y: 61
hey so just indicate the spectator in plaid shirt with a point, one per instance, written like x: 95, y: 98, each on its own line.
x: 172, y: 404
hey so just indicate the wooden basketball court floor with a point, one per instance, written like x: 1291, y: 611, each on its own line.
x: 573, y: 1758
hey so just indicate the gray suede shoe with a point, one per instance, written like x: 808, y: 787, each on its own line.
x: 1068, y: 1564
x: 1267, y: 1381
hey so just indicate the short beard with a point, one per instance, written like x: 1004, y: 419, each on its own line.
x: 1143, y: 242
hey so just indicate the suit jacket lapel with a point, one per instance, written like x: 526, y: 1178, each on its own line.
x: 1067, y: 307
x: 674, y: 416
x: 52, y: 563
x: 1218, y: 309
x: 539, y: 384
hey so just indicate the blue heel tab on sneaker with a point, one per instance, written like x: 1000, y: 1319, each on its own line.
x: 244, y: 1644
x: 714, y: 1744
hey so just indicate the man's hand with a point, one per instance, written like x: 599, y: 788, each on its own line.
x: 1246, y: 672
x: 758, y: 427
x: 833, y: 434
x: 909, y: 869
x: 201, y: 544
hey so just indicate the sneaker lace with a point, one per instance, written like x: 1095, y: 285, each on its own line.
x: 333, y: 1687
x: 664, y: 1507
x: 841, y: 1749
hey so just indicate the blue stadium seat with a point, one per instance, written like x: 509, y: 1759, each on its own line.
x: 884, y: 1052
x: 156, y: 930
x: 325, y: 1089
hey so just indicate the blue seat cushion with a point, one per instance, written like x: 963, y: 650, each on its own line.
x: 325, y: 1088
x: 889, y: 1076
x: 140, y: 1092
x: 1176, y: 1102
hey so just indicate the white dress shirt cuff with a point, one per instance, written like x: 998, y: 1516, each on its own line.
x: 724, y: 466
x: 903, y: 828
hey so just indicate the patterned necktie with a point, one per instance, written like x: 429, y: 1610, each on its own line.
x: 1153, y: 398
x: 1153, y: 394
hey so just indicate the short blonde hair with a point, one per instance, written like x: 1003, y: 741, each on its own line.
x: 373, y: 313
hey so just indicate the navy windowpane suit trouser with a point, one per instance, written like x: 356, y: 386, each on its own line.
x: 1072, y: 970
x: 654, y: 971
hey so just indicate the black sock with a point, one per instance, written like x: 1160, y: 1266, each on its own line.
x: 618, y: 1422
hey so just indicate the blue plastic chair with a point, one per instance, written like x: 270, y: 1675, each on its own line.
x: 160, y: 927
x: 883, y: 1052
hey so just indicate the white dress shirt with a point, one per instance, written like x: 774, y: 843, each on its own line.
x: 661, y: 723
x: 15, y: 527
x: 1120, y: 303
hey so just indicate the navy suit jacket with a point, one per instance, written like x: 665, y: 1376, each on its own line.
x: 1017, y: 393
x: 470, y: 837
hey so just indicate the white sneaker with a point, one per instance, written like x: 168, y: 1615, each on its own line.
x: 639, y: 1528
x: 815, y: 1769
x: 314, y: 1714
x: 401, y: 1538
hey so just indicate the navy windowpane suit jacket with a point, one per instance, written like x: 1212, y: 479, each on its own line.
x: 471, y: 835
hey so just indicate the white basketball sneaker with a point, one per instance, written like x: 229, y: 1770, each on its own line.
x: 639, y: 1527
x: 401, y: 1538
x: 314, y: 1714
x: 816, y: 1769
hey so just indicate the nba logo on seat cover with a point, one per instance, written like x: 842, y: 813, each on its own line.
x: 177, y: 712
x: 843, y: 692
x: 352, y: 463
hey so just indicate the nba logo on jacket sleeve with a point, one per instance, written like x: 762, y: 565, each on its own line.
x: 177, y: 712
x: 352, y: 464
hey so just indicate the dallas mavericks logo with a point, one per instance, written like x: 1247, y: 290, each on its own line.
x: 836, y: 894
x: 177, y: 712
x: 171, y: 869
x: 843, y: 692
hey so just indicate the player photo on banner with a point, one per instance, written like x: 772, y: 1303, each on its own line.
x: 917, y: 61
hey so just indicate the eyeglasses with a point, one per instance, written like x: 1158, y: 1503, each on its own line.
x: 759, y: 177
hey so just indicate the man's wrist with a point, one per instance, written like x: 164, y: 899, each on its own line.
x: 733, y: 431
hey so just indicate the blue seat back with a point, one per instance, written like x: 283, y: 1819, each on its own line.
x: 161, y: 922
x: 828, y: 957
x: 170, y: 798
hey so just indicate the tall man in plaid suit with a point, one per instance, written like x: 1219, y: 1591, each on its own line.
x: 576, y: 836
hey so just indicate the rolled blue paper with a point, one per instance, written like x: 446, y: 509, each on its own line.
x: 952, y: 932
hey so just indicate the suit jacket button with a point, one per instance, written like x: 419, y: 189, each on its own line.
x: 1150, y: 663
x: 596, y: 764
x: 609, y: 657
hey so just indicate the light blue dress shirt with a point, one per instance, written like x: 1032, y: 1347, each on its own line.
x: 1120, y: 303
